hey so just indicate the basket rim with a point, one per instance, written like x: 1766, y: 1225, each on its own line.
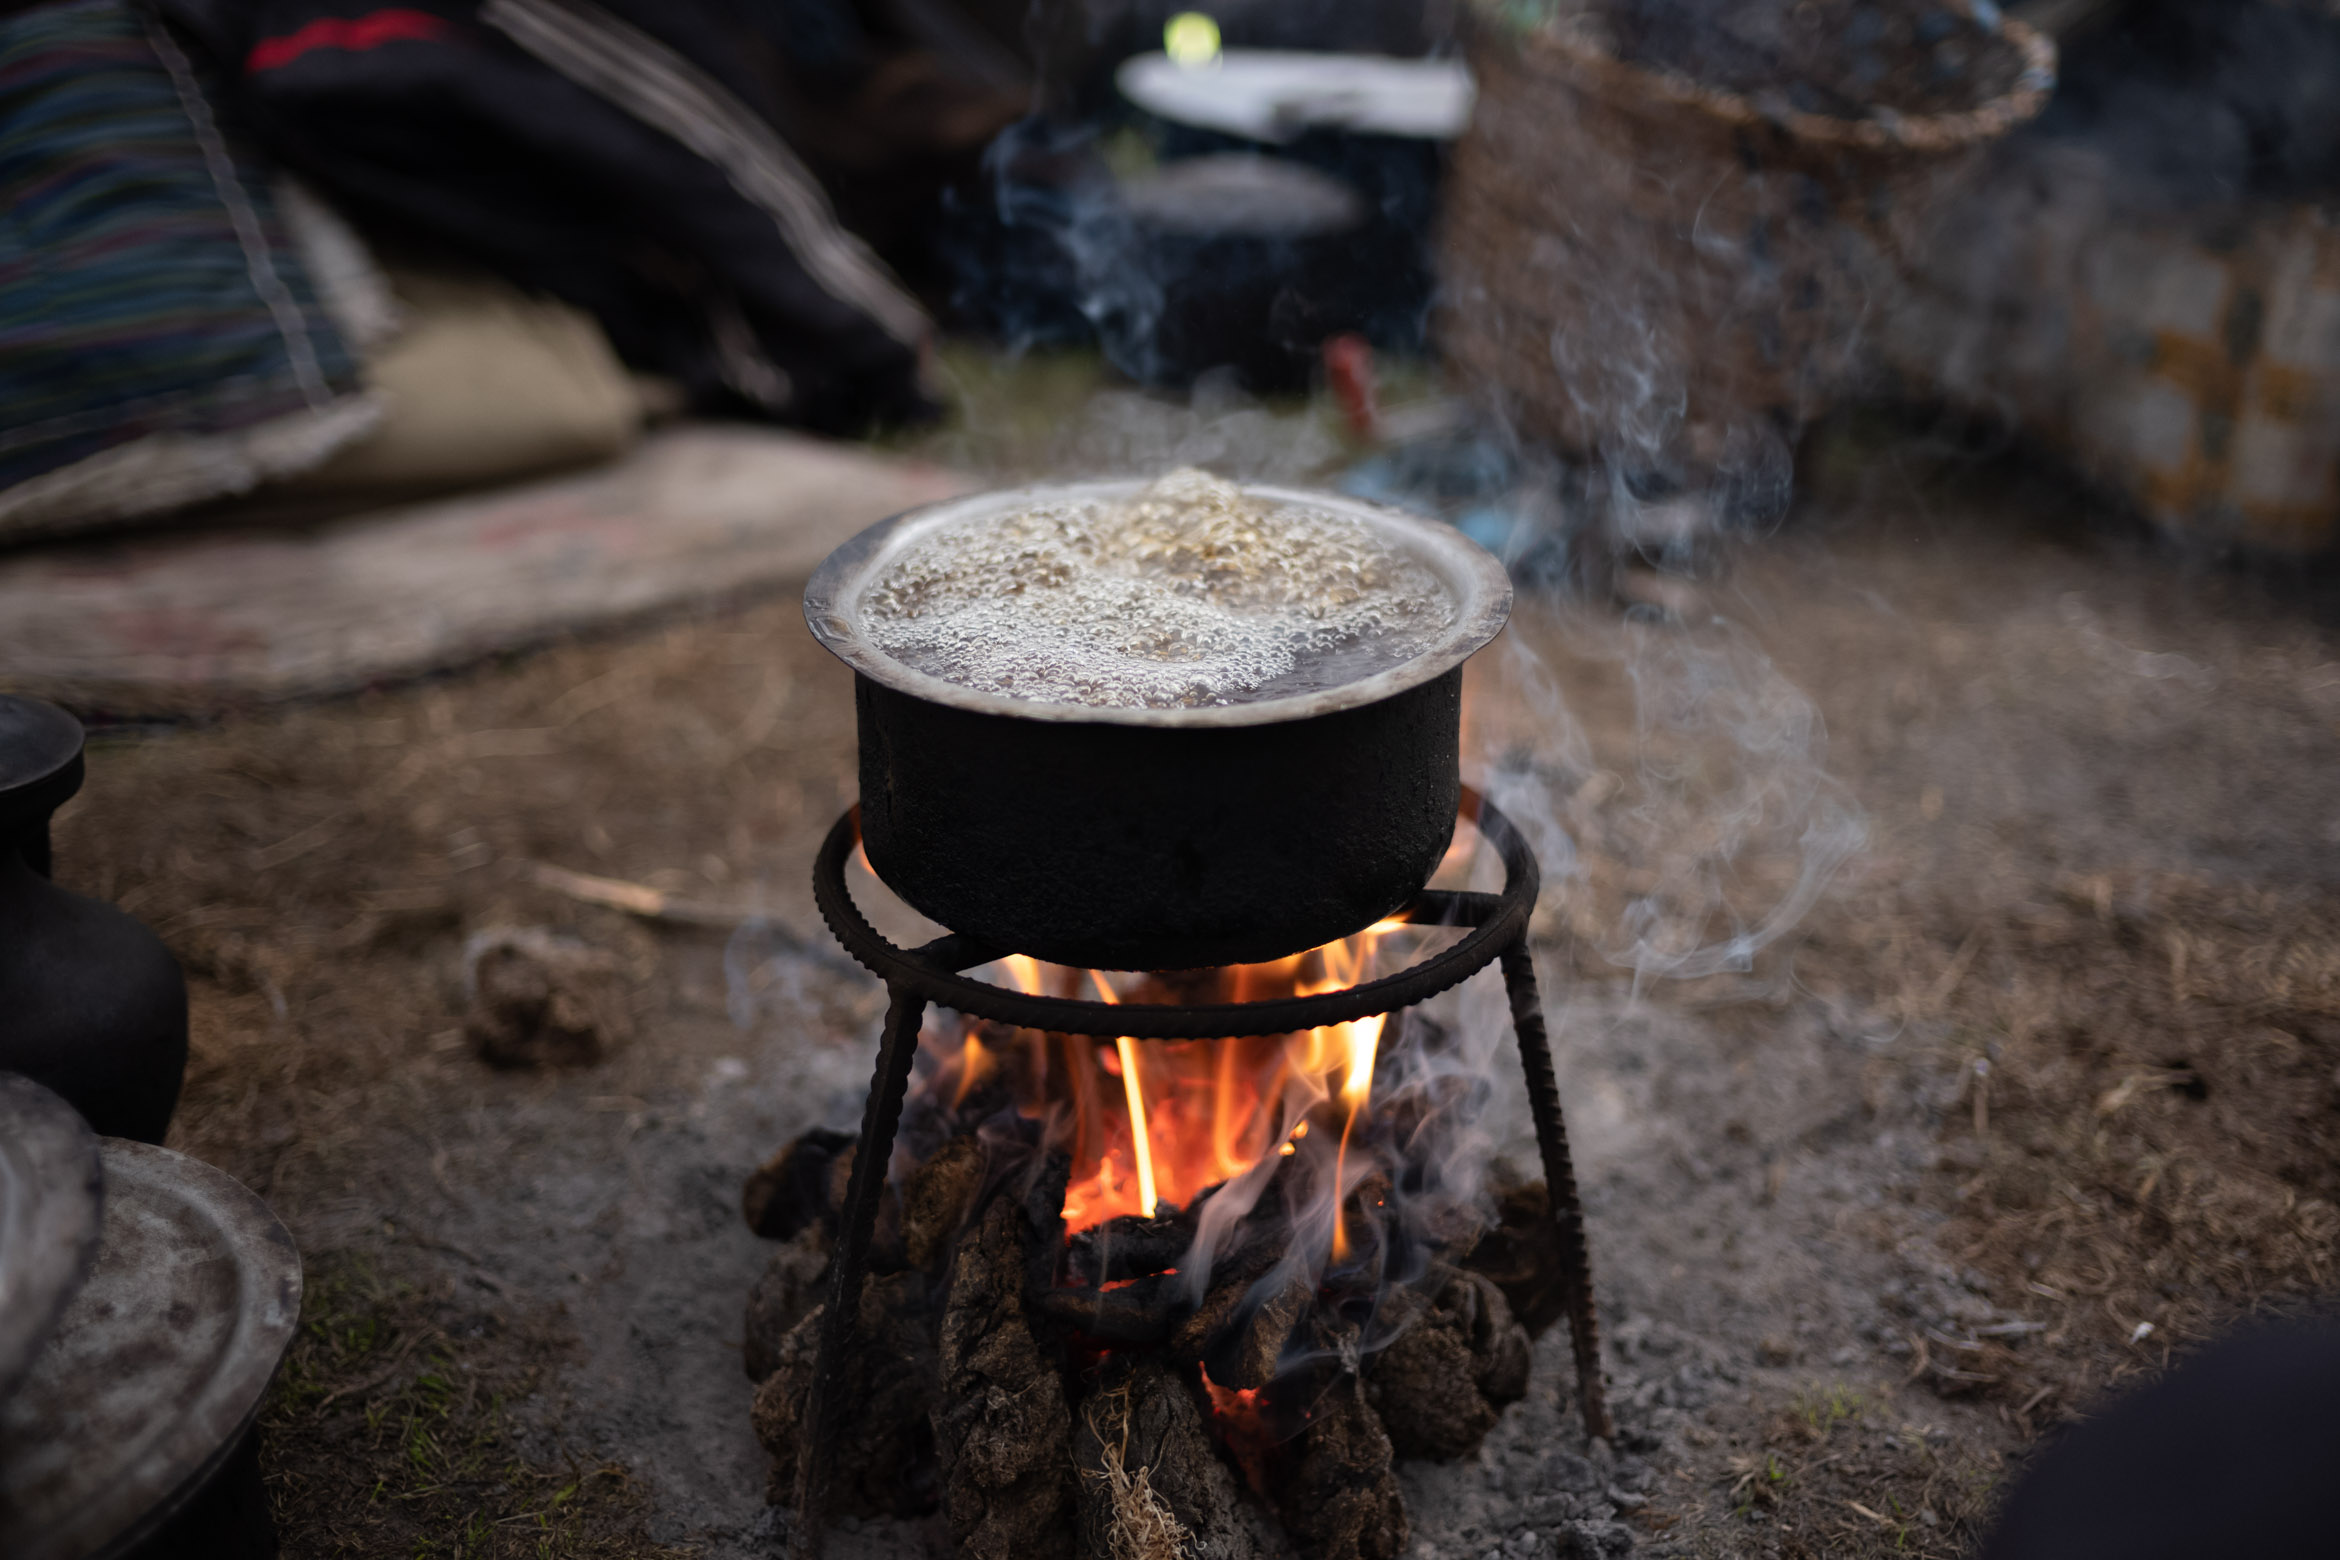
x: 1575, y: 46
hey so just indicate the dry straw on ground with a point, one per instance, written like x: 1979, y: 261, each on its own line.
x: 1143, y: 1527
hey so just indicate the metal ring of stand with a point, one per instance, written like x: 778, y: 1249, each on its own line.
x: 934, y: 974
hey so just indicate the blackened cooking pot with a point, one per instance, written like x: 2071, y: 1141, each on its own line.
x: 1158, y: 838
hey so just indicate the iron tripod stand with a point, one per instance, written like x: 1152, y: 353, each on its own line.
x: 934, y: 974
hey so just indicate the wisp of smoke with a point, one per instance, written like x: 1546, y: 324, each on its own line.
x: 1722, y: 825
x: 1072, y: 229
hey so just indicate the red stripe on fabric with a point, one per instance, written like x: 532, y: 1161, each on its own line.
x: 355, y: 33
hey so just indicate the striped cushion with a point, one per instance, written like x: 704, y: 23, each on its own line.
x: 146, y: 285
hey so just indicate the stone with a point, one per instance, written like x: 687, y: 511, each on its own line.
x: 1595, y: 1541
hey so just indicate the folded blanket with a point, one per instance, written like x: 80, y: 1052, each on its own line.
x: 161, y: 342
x: 619, y: 155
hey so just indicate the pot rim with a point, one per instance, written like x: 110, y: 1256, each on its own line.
x: 1480, y: 587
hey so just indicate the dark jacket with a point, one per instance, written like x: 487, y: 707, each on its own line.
x: 620, y: 154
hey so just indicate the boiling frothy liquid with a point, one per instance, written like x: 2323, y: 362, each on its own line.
x: 1192, y: 593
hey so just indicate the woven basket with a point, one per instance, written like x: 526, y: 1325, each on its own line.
x: 1663, y: 275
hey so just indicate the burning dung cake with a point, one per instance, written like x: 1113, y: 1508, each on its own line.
x: 1211, y: 1287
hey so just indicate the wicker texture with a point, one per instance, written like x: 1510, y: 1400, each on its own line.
x: 1666, y: 276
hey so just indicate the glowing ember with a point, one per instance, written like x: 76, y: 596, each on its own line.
x: 1240, y: 1420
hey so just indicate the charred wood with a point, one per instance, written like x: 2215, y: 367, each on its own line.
x: 1223, y: 1307
x: 1501, y: 1351
x: 790, y: 1288
x: 1000, y: 1425
x: 1137, y: 1314
x: 1456, y: 1358
x: 1522, y: 1255
x: 884, y: 1458
x: 1044, y: 1217
x: 1314, y: 1409
x: 1128, y: 1247
x: 1245, y: 1355
x: 1332, y: 1485
x: 940, y: 1194
x: 1365, y: 1220
x: 798, y: 1185
x: 1421, y: 1385
x: 1152, y: 1487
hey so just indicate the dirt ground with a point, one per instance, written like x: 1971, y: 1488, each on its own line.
x: 2039, y: 1088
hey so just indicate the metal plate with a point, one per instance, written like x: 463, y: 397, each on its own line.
x: 51, y: 1194
x: 158, y: 1364
x: 1474, y: 580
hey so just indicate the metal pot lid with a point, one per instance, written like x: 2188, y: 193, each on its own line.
x: 158, y: 1365
x: 40, y: 761
x: 51, y: 1194
x: 1242, y: 195
x: 1275, y: 95
x: 1472, y: 576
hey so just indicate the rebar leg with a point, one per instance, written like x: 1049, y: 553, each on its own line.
x: 1535, y: 1054
x: 863, y: 1191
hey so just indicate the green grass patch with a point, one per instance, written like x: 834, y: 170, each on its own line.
x: 390, y: 1433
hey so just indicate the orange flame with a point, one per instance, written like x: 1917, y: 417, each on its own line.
x: 974, y: 1065
x: 1147, y: 1201
x: 1134, y: 1092
x: 1151, y: 1125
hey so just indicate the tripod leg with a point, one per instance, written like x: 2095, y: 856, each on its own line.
x: 1535, y: 1054
x: 863, y: 1191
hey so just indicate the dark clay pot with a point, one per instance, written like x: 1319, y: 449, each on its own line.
x: 92, y: 1005
x: 1159, y: 838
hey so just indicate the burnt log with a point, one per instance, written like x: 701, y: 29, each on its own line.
x: 1421, y: 1384
x: 1195, y: 1335
x: 1332, y: 1485
x: 1365, y: 1221
x: 1501, y: 1350
x: 1044, y: 1222
x: 1152, y: 1486
x: 1457, y: 1358
x: 883, y: 1461
x: 804, y: 1185
x: 1522, y: 1255
x: 798, y: 1185
x: 1000, y: 1425
x: 1246, y: 1355
x: 793, y: 1283
x: 1137, y: 1315
x: 1128, y: 1247
x: 936, y: 1201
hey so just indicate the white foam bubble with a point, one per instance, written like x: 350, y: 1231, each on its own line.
x: 1192, y: 593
